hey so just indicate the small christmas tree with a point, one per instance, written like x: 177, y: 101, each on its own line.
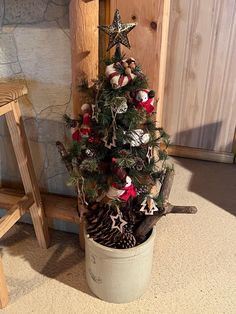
x: 118, y: 156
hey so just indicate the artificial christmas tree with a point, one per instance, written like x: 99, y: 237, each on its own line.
x: 118, y: 157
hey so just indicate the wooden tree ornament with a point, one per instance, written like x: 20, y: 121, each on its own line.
x: 149, y: 222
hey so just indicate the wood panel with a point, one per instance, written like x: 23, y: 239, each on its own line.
x: 56, y: 206
x: 145, y: 39
x: 84, y: 47
x: 200, y: 91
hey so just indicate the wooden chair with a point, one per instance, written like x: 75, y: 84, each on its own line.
x: 9, y: 106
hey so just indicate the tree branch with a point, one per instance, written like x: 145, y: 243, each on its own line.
x: 149, y: 222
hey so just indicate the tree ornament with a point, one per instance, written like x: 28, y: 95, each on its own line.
x: 84, y: 130
x: 149, y: 154
x: 120, y: 76
x: 117, y: 221
x: 95, y: 112
x: 136, y: 137
x: 148, y: 206
x: 126, y: 240
x: 109, y: 143
x: 144, y: 98
x: 117, y: 31
x: 119, y: 105
x: 128, y: 71
x: 125, y: 64
x: 139, y: 163
x: 132, y: 66
x: 129, y: 190
x: 99, y: 228
x: 89, y: 152
x: 110, y: 138
x: 76, y: 136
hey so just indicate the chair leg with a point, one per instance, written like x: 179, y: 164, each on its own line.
x: 3, y: 288
x: 23, y: 156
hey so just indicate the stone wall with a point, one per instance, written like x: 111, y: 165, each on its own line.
x: 35, y: 47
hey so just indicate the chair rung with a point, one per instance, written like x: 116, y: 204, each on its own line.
x: 15, y: 213
x: 5, y: 109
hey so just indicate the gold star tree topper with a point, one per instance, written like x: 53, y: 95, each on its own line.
x: 117, y: 31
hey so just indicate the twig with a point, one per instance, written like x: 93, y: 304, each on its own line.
x: 148, y: 223
x: 64, y: 154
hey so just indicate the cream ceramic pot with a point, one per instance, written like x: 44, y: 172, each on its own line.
x: 116, y: 275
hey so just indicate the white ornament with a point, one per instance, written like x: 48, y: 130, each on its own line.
x: 123, y: 107
x: 149, y: 154
x: 118, y: 80
x: 118, y: 222
x: 136, y: 137
x: 119, y: 105
x: 150, y: 203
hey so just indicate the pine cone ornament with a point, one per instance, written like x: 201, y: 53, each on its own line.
x: 105, y: 226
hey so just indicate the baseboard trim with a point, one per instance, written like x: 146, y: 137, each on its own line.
x: 198, y: 153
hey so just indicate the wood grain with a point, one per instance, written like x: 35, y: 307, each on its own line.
x: 15, y: 213
x: 56, y: 206
x: 200, y: 95
x: 6, y: 108
x: 163, y: 60
x: 84, y: 47
x: 145, y: 38
x: 22, y: 152
x: 10, y: 91
x: 3, y: 287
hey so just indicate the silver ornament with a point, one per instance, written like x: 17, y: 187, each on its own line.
x: 89, y: 153
x: 137, y: 137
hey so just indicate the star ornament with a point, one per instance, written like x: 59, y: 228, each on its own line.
x: 118, y: 222
x: 117, y: 31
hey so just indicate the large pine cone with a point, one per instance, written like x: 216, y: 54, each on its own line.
x: 99, y: 228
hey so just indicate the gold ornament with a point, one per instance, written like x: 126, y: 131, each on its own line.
x: 125, y: 65
x: 117, y: 31
x: 127, y: 71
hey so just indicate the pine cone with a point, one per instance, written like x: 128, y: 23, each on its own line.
x: 99, y: 228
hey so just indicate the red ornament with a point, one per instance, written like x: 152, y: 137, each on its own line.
x: 94, y: 140
x: 129, y: 192
x: 76, y: 136
x: 144, y: 98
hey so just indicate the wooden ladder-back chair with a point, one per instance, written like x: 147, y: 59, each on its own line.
x: 10, y: 93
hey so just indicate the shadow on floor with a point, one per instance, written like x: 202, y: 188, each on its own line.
x: 216, y: 182
x: 62, y: 261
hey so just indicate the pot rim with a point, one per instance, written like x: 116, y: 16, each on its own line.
x: 121, y: 251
